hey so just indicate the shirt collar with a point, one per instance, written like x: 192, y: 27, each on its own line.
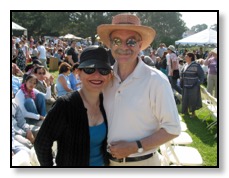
x: 138, y: 72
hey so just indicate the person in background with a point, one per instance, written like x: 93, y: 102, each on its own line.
x: 192, y: 75
x: 16, y: 71
x: 20, y: 58
x: 74, y: 77
x: 147, y: 60
x: 31, y: 101
x: 212, y: 63
x: 43, y: 79
x: 24, y: 133
x: 42, y: 54
x: 63, y: 84
x: 72, y: 54
x: 139, y: 102
x: 173, y: 65
x: 77, y: 120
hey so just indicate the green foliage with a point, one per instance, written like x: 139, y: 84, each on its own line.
x: 199, y: 28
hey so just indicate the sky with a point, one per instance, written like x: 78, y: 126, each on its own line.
x: 194, y: 18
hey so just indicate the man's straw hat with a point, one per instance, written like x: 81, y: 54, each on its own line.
x: 126, y: 22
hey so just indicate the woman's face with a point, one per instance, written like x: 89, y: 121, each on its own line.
x: 31, y: 84
x: 187, y: 58
x: 95, y: 81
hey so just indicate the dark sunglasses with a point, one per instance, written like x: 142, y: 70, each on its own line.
x: 41, y: 73
x: 92, y: 70
x: 129, y: 42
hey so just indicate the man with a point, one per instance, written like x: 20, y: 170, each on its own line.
x: 42, y: 54
x: 160, y: 51
x: 72, y: 54
x: 43, y: 78
x: 139, y: 103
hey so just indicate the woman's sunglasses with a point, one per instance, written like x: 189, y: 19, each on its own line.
x: 102, y: 71
x: 131, y: 42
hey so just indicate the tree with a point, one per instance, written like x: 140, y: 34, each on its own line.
x: 199, y: 28
x: 169, y: 26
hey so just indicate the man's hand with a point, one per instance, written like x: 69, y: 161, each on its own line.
x: 122, y: 149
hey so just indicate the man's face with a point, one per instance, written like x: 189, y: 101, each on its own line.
x: 40, y: 74
x: 123, y: 52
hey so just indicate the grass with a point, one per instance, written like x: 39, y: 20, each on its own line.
x: 203, y: 138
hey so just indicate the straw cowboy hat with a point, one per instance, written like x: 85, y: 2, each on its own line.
x: 126, y: 22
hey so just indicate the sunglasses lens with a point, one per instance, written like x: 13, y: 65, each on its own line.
x: 131, y: 42
x: 89, y: 70
x: 104, y: 71
x: 116, y: 42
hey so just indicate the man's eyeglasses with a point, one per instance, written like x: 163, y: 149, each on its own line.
x: 41, y: 73
x: 92, y: 70
x: 131, y: 42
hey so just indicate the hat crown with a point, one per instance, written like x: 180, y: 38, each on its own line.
x: 171, y: 47
x: 126, y: 19
x: 94, y: 52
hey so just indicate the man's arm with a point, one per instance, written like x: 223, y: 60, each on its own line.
x: 121, y: 149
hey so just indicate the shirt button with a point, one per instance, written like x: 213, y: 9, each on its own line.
x: 120, y: 83
x: 118, y: 91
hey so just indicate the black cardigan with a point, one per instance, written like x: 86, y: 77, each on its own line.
x: 67, y: 123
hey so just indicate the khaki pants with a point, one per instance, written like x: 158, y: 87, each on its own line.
x: 153, y: 161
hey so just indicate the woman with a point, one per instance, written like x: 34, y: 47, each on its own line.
x: 63, y: 85
x: 212, y: 63
x: 74, y: 78
x: 31, y: 101
x: 20, y: 58
x: 192, y: 75
x: 77, y: 121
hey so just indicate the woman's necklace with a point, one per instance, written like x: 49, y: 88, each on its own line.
x: 93, y: 111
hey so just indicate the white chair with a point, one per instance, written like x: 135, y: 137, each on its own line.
x: 209, y: 104
x: 181, y: 155
x: 183, y: 139
x: 183, y: 126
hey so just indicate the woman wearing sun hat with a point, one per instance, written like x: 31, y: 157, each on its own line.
x: 78, y: 121
x: 212, y: 63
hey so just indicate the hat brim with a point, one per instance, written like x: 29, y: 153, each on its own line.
x: 147, y: 34
x: 93, y: 63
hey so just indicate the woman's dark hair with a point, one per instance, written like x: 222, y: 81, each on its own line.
x: 31, y: 76
x: 38, y: 67
x: 75, y: 66
x: 64, y: 67
x: 192, y: 56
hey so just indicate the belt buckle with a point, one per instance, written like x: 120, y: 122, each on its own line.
x: 122, y: 160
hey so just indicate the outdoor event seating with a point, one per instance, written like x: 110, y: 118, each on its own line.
x: 181, y: 155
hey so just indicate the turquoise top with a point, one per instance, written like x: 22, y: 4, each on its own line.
x: 97, y: 136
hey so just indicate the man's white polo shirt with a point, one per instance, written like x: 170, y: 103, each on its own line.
x: 140, y: 105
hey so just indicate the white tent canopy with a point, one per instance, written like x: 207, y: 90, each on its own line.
x: 205, y: 37
x: 70, y: 36
x: 18, y: 27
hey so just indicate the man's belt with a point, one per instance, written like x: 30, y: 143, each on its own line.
x: 131, y: 159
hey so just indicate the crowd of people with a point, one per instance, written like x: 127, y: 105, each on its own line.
x: 110, y: 105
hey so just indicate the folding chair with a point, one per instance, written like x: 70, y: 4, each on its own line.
x: 209, y: 104
x: 181, y: 155
x: 183, y: 139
